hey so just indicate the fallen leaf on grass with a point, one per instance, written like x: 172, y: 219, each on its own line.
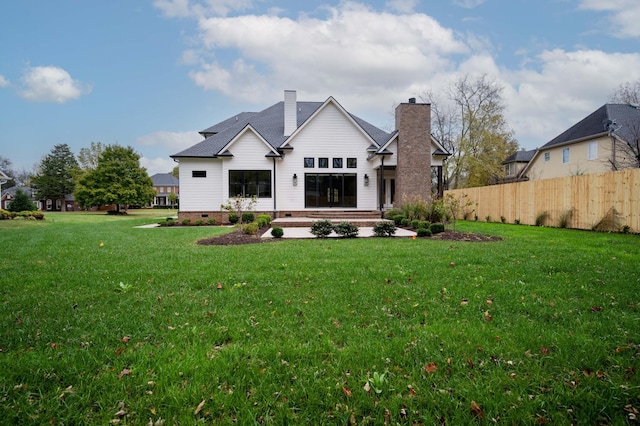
x: 596, y: 308
x: 125, y: 339
x: 476, y: 410
x: 219, y: 286
x: 464, y: 302
x: 124, y: 372
x: 199, y: 407
x: 431, y: 368
x: 120, y: 413
x: 487, y: 317
x: 367, y: 387
x: 346, y: 391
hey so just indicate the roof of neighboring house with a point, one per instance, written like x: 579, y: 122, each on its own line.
x: 622, y: 119
x: 165, y: 179
x: 12, y: 191
x: 269, y: 124
x: 521, y: 156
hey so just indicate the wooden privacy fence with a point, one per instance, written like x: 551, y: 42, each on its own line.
x: 606, y: 201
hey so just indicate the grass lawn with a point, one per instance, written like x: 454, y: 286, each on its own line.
x: 105, y: 323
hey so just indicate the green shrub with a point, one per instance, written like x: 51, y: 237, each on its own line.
x: 397, y: 219
x: 250, y: 228
x: 415, y: 223
x: 437, y: 211
x: 425, y: 224
x: 389, y: 214
x: 423, y: 232
x: 346, y: 230
x: 263, y: 220
x: 248, y: 217
x: 167, y: 222
x: 405, y: 221
x: 186, y: 222
x: 233, y: 218
x: 277, y: 232
x: 21, y: 203
x: 415, y: 208
x: 199, y: 222
x: 211, y: 221
x: 437, y: 228
x: 4, y: 214
x: 384, y: 229
x: 322, y: 228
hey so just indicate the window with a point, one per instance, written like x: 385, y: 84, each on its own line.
x: 593, y: 151
x: 249, y: 183
x: 337, y: 163
x: 352, y: 163
x: 323, y: 163
x: 510, y: 169
x: 547, y: 156
x: 199, y: 173
x: 565, y: 156
x: 308, y: 162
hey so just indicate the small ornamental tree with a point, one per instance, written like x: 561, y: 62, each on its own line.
x: 21, y: 203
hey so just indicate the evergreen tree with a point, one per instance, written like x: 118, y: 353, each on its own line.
x: 56, y: 175
x: 117, y: 179
x: 21, y: 203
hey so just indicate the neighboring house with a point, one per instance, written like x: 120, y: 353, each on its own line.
x: 298, y: 157
x: 515, y: 164
x: 9, y: 194
x: 164, y: 184
x: 598, y: 143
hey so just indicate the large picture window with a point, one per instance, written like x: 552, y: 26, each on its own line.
x: 249, y: 183
x: 330, y: 190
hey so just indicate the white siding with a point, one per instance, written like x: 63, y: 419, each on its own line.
x: 200, y: 194
x: 330, y: 134
x: 248, y: 154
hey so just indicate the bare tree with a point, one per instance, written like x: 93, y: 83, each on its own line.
x: 472, y: 127
x: 626, y: 93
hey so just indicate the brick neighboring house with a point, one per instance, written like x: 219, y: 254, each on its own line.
x: 302, y: 157
x: 10, y: 193
x: 164, y: 184
x: 598, y: 143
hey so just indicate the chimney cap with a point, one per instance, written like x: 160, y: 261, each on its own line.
x: 412, y: 100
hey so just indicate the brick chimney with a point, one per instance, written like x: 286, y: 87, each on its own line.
x: 413, y: 171
x: 290, y: 112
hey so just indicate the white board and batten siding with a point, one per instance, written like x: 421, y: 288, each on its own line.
x: 200, y: 194
x: 248, y: 154
x: 329, y: 135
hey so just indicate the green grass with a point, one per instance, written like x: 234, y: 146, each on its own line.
x: 542, y: 326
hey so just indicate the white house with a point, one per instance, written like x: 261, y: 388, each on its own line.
x: 302, y: 157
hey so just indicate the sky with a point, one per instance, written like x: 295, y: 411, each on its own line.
x: 150, y: 74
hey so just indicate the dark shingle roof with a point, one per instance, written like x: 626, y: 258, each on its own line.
x: 164, y: 179
x: 626, y: 118
x: 520, y: 157
x: 269, y: 123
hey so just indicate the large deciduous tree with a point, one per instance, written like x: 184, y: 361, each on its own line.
x: 628, y: 146
x: 56, y: 174
x: 469, y: 121
x: 117, y: 179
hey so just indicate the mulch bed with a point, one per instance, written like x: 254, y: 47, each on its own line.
x: 238, y: 237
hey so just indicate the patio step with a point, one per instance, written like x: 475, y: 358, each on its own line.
x: 306, y: 222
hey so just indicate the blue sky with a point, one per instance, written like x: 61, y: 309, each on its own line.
x: 151, y: 73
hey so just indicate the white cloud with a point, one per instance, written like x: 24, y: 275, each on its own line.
x: 51, y: 84
x: 3, y: 81
x: 624, y: 16
x: 173, y: 140
x: 157, y: 165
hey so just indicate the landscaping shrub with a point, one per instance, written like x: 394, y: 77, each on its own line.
x: 346, y: 230
x: 250, y: 228
x: 415, y: 208
x: 4, y: 214
x: 21, y: 203
x: 233, y: 218
x: 415, y: 223
x: 384, y: 229
x: 248, y: 217
x: 211, y: 221
x: 199, y: 222
x: 423, y: 232
x: 405, y: 221
x: 437, y: 228
x: 167, y: 222
x: 322, y: 228
x: 277, y: 232
x: 425, y: 224
x: 565, y: 218
x: 186, y: 222
x: 263, y: 220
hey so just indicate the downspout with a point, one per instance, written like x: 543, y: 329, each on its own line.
x: 381, y: 187
x: 275, y: 187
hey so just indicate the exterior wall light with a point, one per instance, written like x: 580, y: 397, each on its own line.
x: 295, y: 179
x: 366, y: 180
